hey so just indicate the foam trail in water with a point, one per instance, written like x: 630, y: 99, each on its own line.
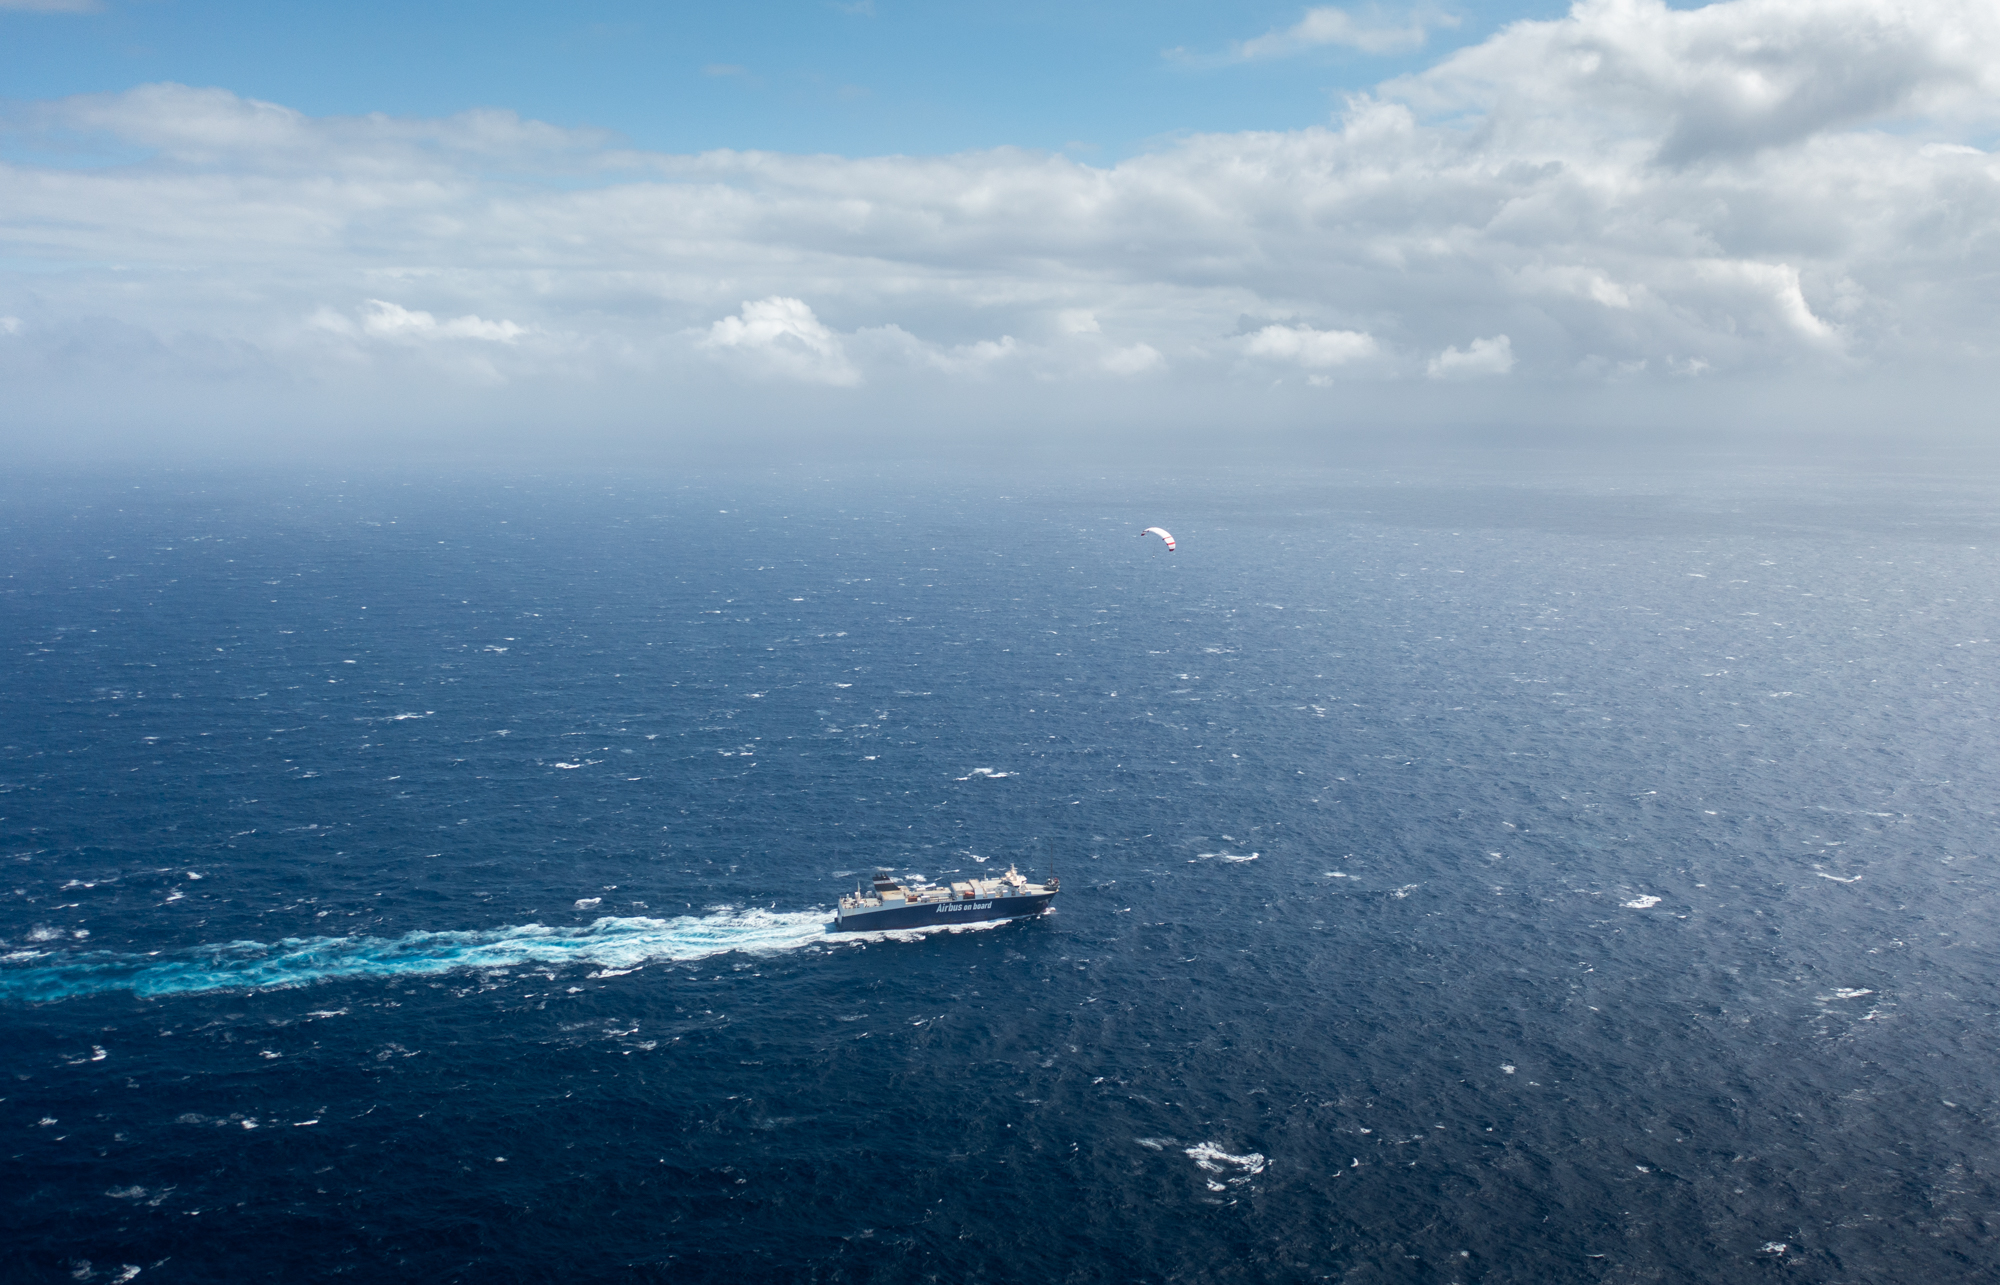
x: 611, y: 943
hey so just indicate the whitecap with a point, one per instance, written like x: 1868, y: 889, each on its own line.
x: 1212, y: 1158
x: 1642, y: 903
x: 1836, y: 878
x: 589, y: 903
x: 1848, y: 992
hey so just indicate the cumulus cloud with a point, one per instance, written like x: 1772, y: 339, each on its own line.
x: 1493, y: 356
x: 1313, y: 349
x: 1327, y: 25
x: 1774, y: 192
x: 1725, y: 80
x: 1135, y: 359
x: 784, y: 337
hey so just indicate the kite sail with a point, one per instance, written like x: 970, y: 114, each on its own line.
x: 1162, y: 533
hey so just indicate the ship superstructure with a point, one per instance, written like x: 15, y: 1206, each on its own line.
x: 919, y: 903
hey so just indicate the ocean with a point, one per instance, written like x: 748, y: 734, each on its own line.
x: 1466, y: 877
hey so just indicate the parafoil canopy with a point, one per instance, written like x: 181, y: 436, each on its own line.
x: 1162, y: 533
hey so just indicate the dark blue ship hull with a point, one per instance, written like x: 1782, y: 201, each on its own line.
x: 938, y: 914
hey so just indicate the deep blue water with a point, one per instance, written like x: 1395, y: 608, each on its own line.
x: 1577, y: 879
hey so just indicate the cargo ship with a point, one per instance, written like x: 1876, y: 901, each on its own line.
x: 921, y: 904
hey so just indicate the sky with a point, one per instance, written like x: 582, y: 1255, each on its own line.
x: 242, y: 228
x: 871, y: 77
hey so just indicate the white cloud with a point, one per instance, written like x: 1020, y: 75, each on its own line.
x: 1786, y: 193
x: 214, y: 127
x: 980, y: 354
x: 1493, y: 356
x: 1327, y: 25
x: 1134, y: 359
x: 893, y: 345
x: 391, y: 321
x: 1727, y: 79
x: 1313, y: 349
x: 783, y: 336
